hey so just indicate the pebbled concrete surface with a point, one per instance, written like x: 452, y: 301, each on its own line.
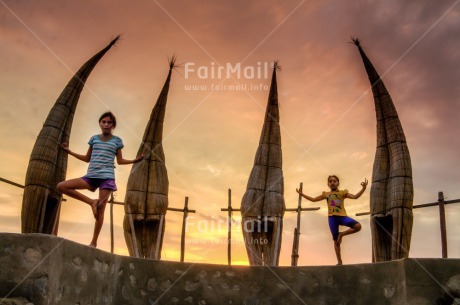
x: 42, y: 269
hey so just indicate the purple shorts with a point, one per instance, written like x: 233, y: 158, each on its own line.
x: 102, y: 184
x: 336, y: 221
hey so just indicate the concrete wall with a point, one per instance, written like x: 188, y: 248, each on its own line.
x: 42, y: 269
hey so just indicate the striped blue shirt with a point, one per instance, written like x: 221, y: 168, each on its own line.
x: 101, y: 164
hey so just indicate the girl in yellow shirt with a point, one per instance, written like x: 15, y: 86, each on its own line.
x: 336, y: 211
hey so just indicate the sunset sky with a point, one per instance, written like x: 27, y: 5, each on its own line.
x: 211, y: 132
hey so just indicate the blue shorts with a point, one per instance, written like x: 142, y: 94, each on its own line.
x: 336, y: 221
x: 94, y: 183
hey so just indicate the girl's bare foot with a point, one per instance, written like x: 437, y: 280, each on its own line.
x: 339, y: 264
x: 94, y: 208
x: 92, y: 245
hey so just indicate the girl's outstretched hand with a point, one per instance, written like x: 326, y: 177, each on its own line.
x: 298, y: 191
x: 65, y: 147
x: 364, y: 184
x: 139, y: 158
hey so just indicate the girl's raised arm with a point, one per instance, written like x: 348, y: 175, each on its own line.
x: 312, y: 199
x: 351, y: 196
x: 84, y: 158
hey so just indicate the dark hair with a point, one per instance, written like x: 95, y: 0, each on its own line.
x: 333, y: 176
x: 111, y: 116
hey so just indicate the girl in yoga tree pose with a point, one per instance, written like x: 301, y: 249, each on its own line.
x: 103, y: 149
x: 336, y: 211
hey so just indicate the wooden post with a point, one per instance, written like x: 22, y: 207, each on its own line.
x: 182, y: 238
x: 133, y: 232
x: 112, y: 243
x: 56, y: 224
x: 442, y: 217
x: 159, y: 240
x: 278, y: 222
x: 442, y: 220
x: 295, y: 243
x: 295, y: 249
x: 43, y: 211
x: 186, y: 211
x: 229, y: 229
x: 230, y: 210
x: 299, y: 207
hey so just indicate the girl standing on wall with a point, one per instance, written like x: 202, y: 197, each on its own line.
x: 103, y: 149
x: 336, y: 211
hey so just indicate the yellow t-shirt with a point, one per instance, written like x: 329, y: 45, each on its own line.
x: 335, y: 202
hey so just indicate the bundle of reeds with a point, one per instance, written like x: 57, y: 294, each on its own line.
x: 48, y: 162
x: 262, y: 206
x: 392, y: 189
x: 146, y: 200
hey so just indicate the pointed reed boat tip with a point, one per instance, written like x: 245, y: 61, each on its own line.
x: 114, y: 40
x: 355, y: 41
x: 276, y: 65
x: 172, y: 62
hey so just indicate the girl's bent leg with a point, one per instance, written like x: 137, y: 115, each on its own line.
x: 104, y: 195
x: 70, y: 187
x: 356, y: 228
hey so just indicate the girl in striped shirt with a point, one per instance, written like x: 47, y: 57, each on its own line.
x: 103, y: 149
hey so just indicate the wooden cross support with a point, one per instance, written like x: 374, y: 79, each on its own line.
x: 17, y: 185
x: 295, y: 245
x: 442, y: 217
x: 185, y: 210
x: 12, y: 183
x: 230, y: 210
